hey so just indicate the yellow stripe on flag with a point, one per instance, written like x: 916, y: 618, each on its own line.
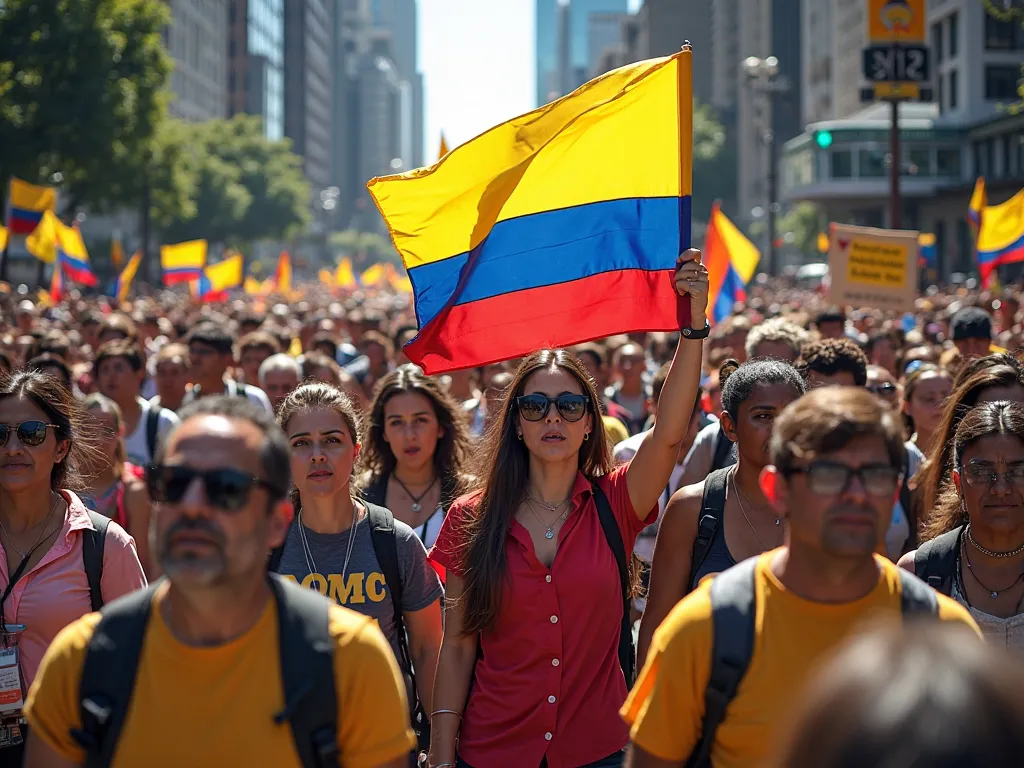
x: 615, y: 138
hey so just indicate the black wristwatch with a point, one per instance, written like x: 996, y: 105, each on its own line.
x: 697, y: 333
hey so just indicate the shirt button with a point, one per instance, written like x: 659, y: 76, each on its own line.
x: 554, y: 662
x: 548, y: 735
x: 551, y: 699
x: 548, y: 578
x: 554, y: 619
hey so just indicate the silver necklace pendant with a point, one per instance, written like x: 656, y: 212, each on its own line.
x: 549, y: 533
x: 416, y: 506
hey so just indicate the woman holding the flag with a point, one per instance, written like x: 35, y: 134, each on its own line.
x: 533, y: 581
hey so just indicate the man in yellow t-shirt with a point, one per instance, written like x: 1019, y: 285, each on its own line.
x: 209, y: 686
x: 837, y: 454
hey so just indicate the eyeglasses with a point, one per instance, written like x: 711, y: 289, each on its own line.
x: 536, y: 406
x: 226, y: 488
x: 30, y: 433
x: 985, y: 477
x: 831, y: 479
x: 885, y: 389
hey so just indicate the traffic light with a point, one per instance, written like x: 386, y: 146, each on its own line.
x: 823, y: 139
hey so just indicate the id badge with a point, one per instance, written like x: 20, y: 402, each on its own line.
x: 11, y: 692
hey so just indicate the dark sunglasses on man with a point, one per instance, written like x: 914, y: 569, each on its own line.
x: 224, y: 487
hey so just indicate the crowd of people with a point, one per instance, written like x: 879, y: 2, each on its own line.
x: 716, y: 548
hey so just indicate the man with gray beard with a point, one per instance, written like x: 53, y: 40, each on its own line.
x: 220, y: 664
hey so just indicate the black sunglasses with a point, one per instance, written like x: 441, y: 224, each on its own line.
x: 226, y: 488
x: 885, y: 388
x: 31, y: 433
x: 536, y: 406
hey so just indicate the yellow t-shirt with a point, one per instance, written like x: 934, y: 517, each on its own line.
x: 666, y: 706
x: 214, y: 706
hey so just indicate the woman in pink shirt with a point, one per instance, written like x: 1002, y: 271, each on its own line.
x: 43, y: 583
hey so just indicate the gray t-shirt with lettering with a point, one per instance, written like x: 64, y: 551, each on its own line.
x: 364, y: 589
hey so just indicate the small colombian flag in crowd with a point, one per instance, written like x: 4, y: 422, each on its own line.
x: 26, y: 204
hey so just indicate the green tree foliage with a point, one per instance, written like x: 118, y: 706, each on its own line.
x: 247, y: 187
x: 81, y: 93
x: 714, y: 164
x: 805, y: 223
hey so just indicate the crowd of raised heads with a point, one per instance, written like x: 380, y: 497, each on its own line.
x: 544, y: 561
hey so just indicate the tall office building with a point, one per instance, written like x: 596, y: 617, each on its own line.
x: 401, y: 19
x: 604, y: 31
x: 256, y: 60
x: 664, y: 25
x: 309, y: 37
x: 766, y: 28
x: 562, y: 33
x: 725, y: 56
x: 197, y: 40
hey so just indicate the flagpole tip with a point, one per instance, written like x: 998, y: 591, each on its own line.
x: 687, y: 46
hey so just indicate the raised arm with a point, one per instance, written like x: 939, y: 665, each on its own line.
x: 651, y: 468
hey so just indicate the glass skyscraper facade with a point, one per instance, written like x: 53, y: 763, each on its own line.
x: 265, y: 44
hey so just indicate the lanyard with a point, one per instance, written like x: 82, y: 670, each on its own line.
x: 18, y: 573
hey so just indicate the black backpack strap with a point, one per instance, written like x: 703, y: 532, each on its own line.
x: 733, y: 608
x: 612, y: 534
x: 376, y: 491
x: 307, y: 671
x: 712, y: 506
x: 935, y: 561
x: 275, y: 559
x: 723, y: 447
x: 108, y: 675
x: 93, y: 543
x: 152, y: 429
x: 916, y: 597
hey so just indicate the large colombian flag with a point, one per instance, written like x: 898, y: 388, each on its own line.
x: 731, y: 260
x: 183, y: 262
x: 1001, y: 236
x: 26, y: 204
x: 559, y: 226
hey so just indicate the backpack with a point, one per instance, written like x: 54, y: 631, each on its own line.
x: 935, y: 560
x: 712, y: 507
x: 612, y: 534
x: 306, y: 654
x: 385, y: 548
x: 733, y: 617
x: 92, y: 556
x: 725, y: 455
x: 152, y: 427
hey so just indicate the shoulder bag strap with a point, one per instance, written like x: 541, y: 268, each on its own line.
x: 108, y: 675
x: 152, y: 430
x: 916, y: 598
x: 935, y: 561
x: 307, y: 671
x: 733, y: 617
x: 711, y: 509
x: 612, y: 534
x: 93, y: 544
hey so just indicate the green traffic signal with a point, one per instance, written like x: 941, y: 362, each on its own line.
x: 823, y: 139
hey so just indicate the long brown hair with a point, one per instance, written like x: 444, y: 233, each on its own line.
x: 978, y: 375
x: 50, y: 395
x: 503, y: 474
x: 103, y: 404
x: 451, y: 455
x: 1000, y: 418
x: 317, y: 394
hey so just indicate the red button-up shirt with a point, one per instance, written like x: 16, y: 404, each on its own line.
x: 549, y: 681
